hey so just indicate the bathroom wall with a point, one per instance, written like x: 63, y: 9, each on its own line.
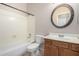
x: 42, y: 19
x: 43, y: 12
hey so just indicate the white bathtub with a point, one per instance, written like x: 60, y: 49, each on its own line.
x: 16, y: 50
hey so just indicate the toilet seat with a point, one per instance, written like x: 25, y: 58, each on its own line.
x: 32, y: 47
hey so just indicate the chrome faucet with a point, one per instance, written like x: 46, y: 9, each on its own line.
x: 29, y: 35
x: 61, y: 35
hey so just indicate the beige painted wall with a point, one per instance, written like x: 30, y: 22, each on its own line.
x: 43, y: 12
x: 13, y: 30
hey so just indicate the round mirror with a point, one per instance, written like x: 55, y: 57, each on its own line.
x: 62, y: 16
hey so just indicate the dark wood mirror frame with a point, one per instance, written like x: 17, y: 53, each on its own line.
x: 71, y: 18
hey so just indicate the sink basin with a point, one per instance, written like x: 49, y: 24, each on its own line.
x: 72, y: 38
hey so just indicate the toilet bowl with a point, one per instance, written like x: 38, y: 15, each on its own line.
x: 33, y: 48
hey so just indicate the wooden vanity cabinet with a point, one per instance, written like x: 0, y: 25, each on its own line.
x: 60, y: 48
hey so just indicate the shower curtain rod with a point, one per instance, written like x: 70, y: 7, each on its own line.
x: 16, y: 9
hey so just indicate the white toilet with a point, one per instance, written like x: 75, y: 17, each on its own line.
x: 33, y: 48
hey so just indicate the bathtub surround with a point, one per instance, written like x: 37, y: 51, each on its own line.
x: 14, y: 29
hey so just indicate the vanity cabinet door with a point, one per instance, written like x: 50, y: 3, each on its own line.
x: 51, y: 51
x: 67, y: 52
x: 47, y: 47
x: 47, y: 51
x: 54, y: 51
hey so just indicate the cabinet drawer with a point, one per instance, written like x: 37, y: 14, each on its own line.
x: 60, y: 44
x: 48, y: 42
x: 75, y: 47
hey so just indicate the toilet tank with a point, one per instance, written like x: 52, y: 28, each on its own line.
x: 39, y: 39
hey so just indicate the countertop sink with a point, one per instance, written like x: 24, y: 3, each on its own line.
x: 64, y: 37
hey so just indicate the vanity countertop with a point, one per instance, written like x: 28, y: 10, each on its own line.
x: 66, y: 39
